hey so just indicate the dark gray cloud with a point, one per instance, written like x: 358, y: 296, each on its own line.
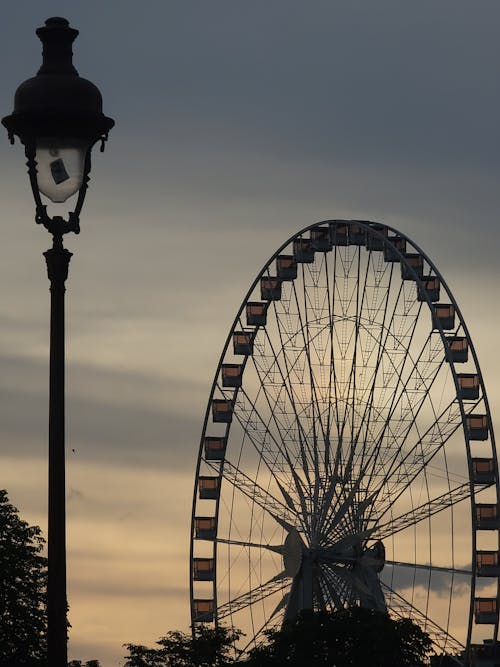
x: 109, y: 428
x: 382, y: 110
x: 361, y: 79
x: 404, y: 579
x: 385, y: 81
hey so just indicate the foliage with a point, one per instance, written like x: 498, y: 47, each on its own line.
x: 207, y: 647
x: 79, y: 663
x: 23, y: 577
x: 347, y: 638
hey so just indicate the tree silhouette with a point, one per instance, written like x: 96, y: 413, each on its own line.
x: 23, y: 578
x: 207, y: 647
x: 347, y: 638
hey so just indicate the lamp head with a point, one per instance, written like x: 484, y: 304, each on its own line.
x: 58, y: 117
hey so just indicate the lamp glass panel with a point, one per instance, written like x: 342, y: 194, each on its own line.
x: 60, y: 168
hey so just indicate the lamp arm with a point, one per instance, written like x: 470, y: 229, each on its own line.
x: 74, y: 217
x: 41, y: 209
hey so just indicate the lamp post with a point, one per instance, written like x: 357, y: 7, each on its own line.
x: 58, y: 118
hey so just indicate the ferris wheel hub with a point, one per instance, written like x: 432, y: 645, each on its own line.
x: 292, y: 553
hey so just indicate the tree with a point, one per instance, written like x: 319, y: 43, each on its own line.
x: 206, y: 647
x: 347, y: 638
x: 79, y: 663
x: 23, y: 578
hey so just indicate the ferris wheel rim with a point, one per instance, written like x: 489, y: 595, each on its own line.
x: 367, y: 226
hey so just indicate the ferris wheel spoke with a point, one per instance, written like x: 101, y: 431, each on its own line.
x: 332, y: 371
x: 366, y: 418
x: 342, y: 330
x: 363, y: 584
x: 416, y: 402
x: 333, y: 380
x: 429, y: 567
x: 342, y: 513
x: 403, y: 471
x: 368, y: 464
x: 319, y: 343
x: 441, y: 638
x: 251, y: 419
x: 276, y: 548
x: 385, y: 415
x: 348, y: 583
x: 283, y: 515
x: 383, y: 308
x: 352, y: 378
x: 311, y: 402
x: 371, y: 337
x: 424, y: 511
x: 418, y: 458
x: 336, y: 591
x: 315, y: 418
x: 292, y: 419
x: 353, y: 342
x: 268, y: 457
x: 344, y: 510
x: 319, y: 595
x: 341, y: 550
x: 273, y: 585
x: 285, y: 420
x: 324, y: 598
x: 395, y: 362
x: 409, y: 403
x: 416, y: 372
x: 272, y: 623
x: 329, y: 598
x: 327, y: 368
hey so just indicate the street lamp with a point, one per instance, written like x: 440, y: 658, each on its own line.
x: 58, y: 118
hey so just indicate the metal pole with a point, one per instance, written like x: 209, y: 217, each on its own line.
x: 57, y: 259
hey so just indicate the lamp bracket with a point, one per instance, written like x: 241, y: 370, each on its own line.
x: 57, y: 225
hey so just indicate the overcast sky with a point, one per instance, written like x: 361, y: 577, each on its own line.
x: 237, y: 124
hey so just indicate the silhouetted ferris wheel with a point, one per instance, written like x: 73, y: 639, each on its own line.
x: 347, y: 455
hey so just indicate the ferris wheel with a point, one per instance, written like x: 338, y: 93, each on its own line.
x: 347, y: 455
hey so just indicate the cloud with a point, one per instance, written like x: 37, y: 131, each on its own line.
x: 405, y: 579
x: 113, y: 415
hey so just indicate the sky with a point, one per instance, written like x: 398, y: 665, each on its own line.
x: 237, y: 124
